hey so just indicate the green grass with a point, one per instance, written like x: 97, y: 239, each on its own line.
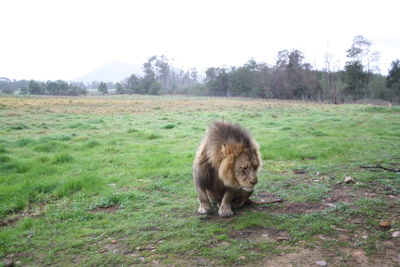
x: 72, y: 180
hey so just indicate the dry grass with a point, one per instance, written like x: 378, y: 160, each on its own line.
x: 135, y: 104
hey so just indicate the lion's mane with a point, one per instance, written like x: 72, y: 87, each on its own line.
x: 222, y: 144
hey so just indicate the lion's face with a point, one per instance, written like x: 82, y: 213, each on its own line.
x: 245, y: 171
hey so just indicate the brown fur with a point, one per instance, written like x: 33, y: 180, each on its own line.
x: 225, y: 168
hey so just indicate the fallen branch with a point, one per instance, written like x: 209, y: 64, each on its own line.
x: 379, y: 166
x: 260, y: 202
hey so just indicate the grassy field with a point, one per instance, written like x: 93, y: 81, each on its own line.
x: 107, y: 181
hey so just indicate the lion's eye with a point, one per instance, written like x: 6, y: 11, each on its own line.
x: 244, y: 169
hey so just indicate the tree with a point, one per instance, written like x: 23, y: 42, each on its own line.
x: 133, y: 85
x: 217, y: 81
x: 294, y: 68
x: 148, y: 67
x: 244, y: 81
x: 119, y: 89
x: 354, y: 77
x: 292, y: 78
x: 163, y: 71
x: 103, y: 89
x: 6, y: 86
x: 393, y: 79
x: 36, y: 88
x: 360, y: 55
x: 58, y: 87
x: 330, y: 78
x: 193, y: 75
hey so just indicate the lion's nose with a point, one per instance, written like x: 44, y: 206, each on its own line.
x: 253, y: 182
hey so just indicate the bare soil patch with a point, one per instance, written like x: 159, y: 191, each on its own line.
x: 292, y: 208
x: 260, y: 234
x: 13, y: 219
x: 332, y: 257
x: 192, y: 262
x: 285, y: 207
x: 110, y: 209
x: 342, y: 192
x: 8, y: 222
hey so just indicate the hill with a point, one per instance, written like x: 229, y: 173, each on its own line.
x: 112, y: 72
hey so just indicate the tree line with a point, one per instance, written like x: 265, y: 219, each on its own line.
x: 291, y: 77
x: 159, y: 78
x: 32, y: 87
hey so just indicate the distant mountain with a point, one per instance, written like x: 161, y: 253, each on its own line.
x: 112, y: 72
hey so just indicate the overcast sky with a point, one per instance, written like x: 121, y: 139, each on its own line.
x: 64, y: 39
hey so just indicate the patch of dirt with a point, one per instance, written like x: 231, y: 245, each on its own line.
x: 299, y: 171
x: 342, y: 192
x: 145, y: 254
x: 301, y: 257
x: 260, y: 234
x: 291, y: 208
x: 192, y: 262
x: 300, y: 208
x: 30, y: 212
x: 116, y: 246
x: 334, y: 257
x: 345, y: 193
x: 8, y: 222
x: 110, y: 209
x: 382, y: 189
x: 15, y: 258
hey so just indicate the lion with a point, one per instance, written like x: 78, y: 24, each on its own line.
x: 225, y: 168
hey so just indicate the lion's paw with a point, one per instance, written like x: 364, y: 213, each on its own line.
x: 225, y: 212
x: 204, y: 210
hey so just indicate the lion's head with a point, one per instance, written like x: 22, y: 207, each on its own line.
x: 239, y: 166
x: 245, y: 171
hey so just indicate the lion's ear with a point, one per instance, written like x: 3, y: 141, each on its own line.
x: 227, y: 150
x: 231, y: 149
x: 239, y: 148
x: 223, y: 149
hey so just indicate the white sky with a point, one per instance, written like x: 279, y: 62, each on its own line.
x: 64, y: 39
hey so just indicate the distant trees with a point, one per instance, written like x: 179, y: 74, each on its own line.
x: 297, y: 80
x: 159, y: 78
x: 36, y: 88
x: 8, y: 86
x: 329, y: 79
x: 360, y: 67
x: 102, y: 88
x: 393, y: 80
x: 53, y: 88
x: 290, y: 78
x: 354, y: 77
x: 245, y: 80
x: 133, y: 85
x: 217, y: 81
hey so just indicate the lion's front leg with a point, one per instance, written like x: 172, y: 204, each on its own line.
x: 225, y: 209
x: 205, y: 206
x: 238, y: 202
x: 241, y: 197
